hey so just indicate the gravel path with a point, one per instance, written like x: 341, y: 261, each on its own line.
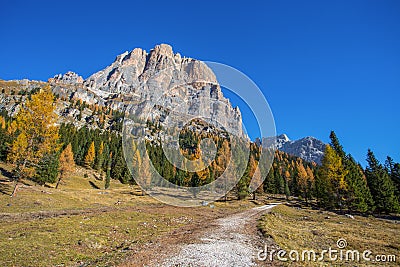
x: 231, y: 242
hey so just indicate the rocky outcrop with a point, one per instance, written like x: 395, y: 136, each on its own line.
x: 67, y: 78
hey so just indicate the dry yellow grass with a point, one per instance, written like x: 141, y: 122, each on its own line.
x: 80, y: 224
x: 306, y: 229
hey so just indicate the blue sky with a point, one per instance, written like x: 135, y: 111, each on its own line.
x: 322, y: 65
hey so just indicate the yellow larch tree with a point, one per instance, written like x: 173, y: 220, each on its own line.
x: 90, y: 156
x: 37, y: 131
x: 67, y: 163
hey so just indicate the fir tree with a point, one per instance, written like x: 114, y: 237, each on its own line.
x: 393, y: 170
x: 99, y: 157
x: 47, y: 169
x: 381, y: 185
x: 279, y: 182
x: 119, y: 170
x: 269, y: 182
x: 335, y: 144
x: 287, y: 190
x: 108, y: 172
x: 5, y: 138
x: 359, y: 196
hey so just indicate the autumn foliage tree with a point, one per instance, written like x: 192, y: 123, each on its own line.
x: 90, y: 156
x: 305, y: 180
x: 332, y: 185
x: 67, y: 163
x: 35, y: 124
x: 145, y: 170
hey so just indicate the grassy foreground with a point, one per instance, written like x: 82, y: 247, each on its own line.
x: 306, y: 229
x: 81, y: 224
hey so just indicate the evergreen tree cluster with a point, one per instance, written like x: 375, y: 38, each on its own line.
x: 97, y: 149
x: 342, y: 183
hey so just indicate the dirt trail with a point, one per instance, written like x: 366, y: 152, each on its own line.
x: 230, y: 241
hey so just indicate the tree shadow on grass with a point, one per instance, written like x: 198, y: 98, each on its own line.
x: 6, y: 174
x: 5, y: 186
x: 93, y: 185
x: 5, y: 189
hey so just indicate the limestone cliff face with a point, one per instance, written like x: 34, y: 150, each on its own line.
x: 160, y: 77
x: 159, y: 83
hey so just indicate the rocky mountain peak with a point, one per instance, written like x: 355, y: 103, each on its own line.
x: 159, y: 77
x: 162, y: 50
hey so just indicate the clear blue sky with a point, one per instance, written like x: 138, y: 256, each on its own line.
x: 322, y: 65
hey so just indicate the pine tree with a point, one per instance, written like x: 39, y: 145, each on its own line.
x: 5, y: 138
x: 108, y: 172
x: 381, y: 185
x: 47, y: 169
x: 269, y: 182
x: 358, y: 195
x: 279, y: 182
x: 393, y: 170
x: 99, y: 157
x: 38, y: 134
x: 287, y: 190
x: 67, y: 163
x: 89, y: 158
x: 335, y: 144
x: 119, y: 169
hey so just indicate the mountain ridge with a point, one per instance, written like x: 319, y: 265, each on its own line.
x: 308, y: 148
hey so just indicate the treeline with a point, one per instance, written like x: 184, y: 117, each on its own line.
x: 288, y: 175
x: 44, y: 152
x: 340, y: 182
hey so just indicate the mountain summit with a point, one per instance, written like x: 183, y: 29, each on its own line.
x: 159, y: 77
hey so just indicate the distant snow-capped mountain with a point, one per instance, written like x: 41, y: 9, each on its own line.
x: 307, y: 148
